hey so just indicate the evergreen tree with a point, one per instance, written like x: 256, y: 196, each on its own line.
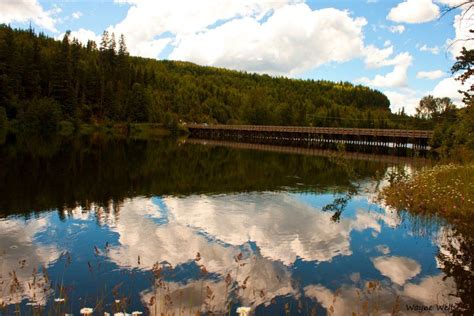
x: 105, y: 83
x: 104, y: 42
x: 122, y: 46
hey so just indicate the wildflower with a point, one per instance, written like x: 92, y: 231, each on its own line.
x: 59, y: 300
x: 86, y: 311
x: 243, y: 311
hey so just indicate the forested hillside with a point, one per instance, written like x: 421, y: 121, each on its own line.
x: 64, y: 80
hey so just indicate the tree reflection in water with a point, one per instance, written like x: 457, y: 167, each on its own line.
x: 219, y: 202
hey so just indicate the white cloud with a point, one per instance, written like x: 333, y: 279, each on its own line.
x: 434, y: 50
x: 414, y: 11
x: 397, y: 77
x: 397, y: 29
x: 146, y: 20
x: 409, y: 99
x: 451, y: 3
x: 76, y: 15
x: 82, y: 35
x: 449, y: 87
x: 28, y: 10
x: 261, y: 218
x: 397, y: 269
x: 376, y: 57
x: 292, y: 40
x: 431, y: 75
x: 406, y: 99
x: 450, y: 245
x: 383, y: 249
x: 278, y: 37
x: 433, y: 289
x: 463, y: 23
x: 151, y: 49
x: 18, y: 242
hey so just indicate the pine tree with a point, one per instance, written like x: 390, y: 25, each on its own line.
x: 465, y: 64
x: 62, y: 81
x: 111, y: 50
x: 122, y: 46
x: 31, y: 72
x: 104, y: 43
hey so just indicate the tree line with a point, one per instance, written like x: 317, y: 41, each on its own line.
x: 43, y: 80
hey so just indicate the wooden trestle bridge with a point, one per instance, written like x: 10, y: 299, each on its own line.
x: 307, y: 136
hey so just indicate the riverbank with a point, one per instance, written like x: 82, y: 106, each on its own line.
x: 140, y: 131
x: 446, y: 191
x: 131, y: 130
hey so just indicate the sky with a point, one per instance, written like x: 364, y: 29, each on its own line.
x: 404, y: 48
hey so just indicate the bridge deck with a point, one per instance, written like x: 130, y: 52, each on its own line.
x: 419, y: 134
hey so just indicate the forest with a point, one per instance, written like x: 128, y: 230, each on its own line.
x: 44, y: 81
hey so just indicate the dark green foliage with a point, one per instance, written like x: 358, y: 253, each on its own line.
x: 454, y: 135
x: 436, y: 109
x: 138, y: 104
x: 171, y: 122
x: 3, y: 118
x: 112, y: 168
x: 97, y: 84
x: 41, y: 116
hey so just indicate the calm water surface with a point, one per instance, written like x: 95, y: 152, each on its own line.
x: 170, y: 227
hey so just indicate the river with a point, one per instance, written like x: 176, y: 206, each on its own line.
x: 172, y: 226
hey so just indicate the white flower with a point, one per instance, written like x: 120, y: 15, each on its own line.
x: 59, y: 300
x: 86, y: 311
x: 243, y: 311
x: 136, y: 313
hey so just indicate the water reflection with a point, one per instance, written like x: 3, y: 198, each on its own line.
x: 283, y: 228
x: 398, y: 269
x: 23, y: 261
x: 84, y: 170
x: 173, y: 228
x: 385, y: 299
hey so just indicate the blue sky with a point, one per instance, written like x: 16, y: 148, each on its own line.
x: 401, y: 47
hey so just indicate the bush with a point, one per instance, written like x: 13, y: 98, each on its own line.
x: 42, y: 116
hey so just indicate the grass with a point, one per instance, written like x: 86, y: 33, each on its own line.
x: 446, y: 191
